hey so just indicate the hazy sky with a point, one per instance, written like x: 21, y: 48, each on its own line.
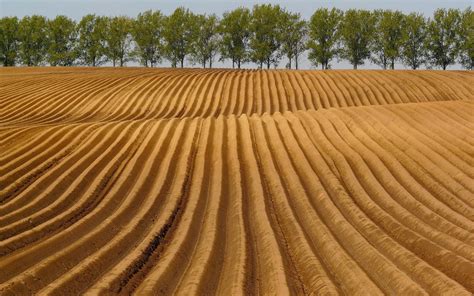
x: 78, y: 8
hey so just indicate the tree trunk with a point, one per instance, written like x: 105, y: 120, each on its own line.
x: 268, y: 63
x: 289, y: 63
x: 233, y: 63
x: 113, y: 62
x: 210, y: 63
x: 296, y: 62
x: 355, y: 66
x: 392, y: 65
x: 182, y: 63
x: 445, y: 66
x: 322, y: 66
x: 238, y: 63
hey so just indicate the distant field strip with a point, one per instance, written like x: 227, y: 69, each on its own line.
x: 31, y: 96
x: 236, y: 182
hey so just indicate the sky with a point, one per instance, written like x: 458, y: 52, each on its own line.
x: 77, y: 8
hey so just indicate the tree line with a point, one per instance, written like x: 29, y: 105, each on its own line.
x: 262, y: 35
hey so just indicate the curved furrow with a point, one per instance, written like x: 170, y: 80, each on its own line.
x: 318, y: 94
x: 298, y: 235
x: 106, y: 106
x: 229, y: 95
x: 388, y: 277
x: 449, y: 87
x: 461, y: 164
x: 171, y: 188
x: 250, y: 94
x: 57, y: 114
x: 462, y: 77
x: 103, y: 235
x: 371, y: 86
x: 460, y: 126
x: 213, y: 96
x: 438, y: 257
x: 267, y: 260
x: 127, y: 105
x: 163, y: 95
x: 52, y: 107
x: 44, y: 103
x: 337, y: 94
x: 374, y: 130
x: 440, y: 169
x: 79, y: 194
x: 403, y: 260
x: 199, y: 93
x: 21, y: 94
x: 92, y: 225
x: 302, y: 90
x: 28, y: 166
x: 409, y: 182
x: 440, y: 131
x: 234, y: 277
x: 279, y: 95
x: 217, y: 100
x: 392, y: 196
x: 400, y: 89
x: 359, y: 94
x: 205, y: 263
x: 38, y: 139
x: 178, y: 94
x: 53, y: 173
x: 161, y: 276
x: 257, y: 86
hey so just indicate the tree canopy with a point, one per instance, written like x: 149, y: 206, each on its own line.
x: 62, y: 39
x: 442, y: 42
x: 8, y: 40
x: 387, y: 39
x: 33, y: 43
x: 357, y: 29
x: 147, y: 32
x: 265, y: 35
x: 234, y: 29
x: 324, y: 36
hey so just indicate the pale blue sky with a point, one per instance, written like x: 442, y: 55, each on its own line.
x: 78, y: 8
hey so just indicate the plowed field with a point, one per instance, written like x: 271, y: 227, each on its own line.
x: 160, y: 181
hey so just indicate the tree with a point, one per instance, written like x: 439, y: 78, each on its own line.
x: 178, y: 34
x: 413, y: 52
x: 293, y: 37
x: 266, y: 37
x: 118, y: 39
x: 442, y: 41
x: 91, y: 45
x: 466, y: 39
x: 357, y: 29
x: 8, y: 40
x: 147, y: 32
x: 32, y: 37
x: 387, y: 39
x: 206, y: 39
x: 62, y: 41
x: 234, y: 29
x: 324, y: 36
